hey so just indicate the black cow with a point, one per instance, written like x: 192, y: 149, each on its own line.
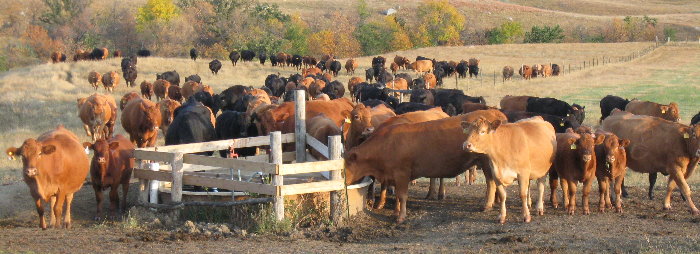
x: 373, y: 103
x: 610, y: 102
x: 193, y: 54
x: 369, y: 74
x: 423, y: 96
x: 405, y: 76
x: 451, y: 100
x: 560, y: 124
x: 247, y: 55
x: 473, y: 70
x: 191, y: 124
x: 383, y: 76
x: 334, y: 90
x: 275, y: 84
x: 289, y: 96
x: 128, y: 62
x: 462, y: 69
x: 215, y: 66
x: 555, y: 107
x: 439, y: 75
x: 97, y: 54
x: 212, y: 102
x: 406, y: 107
x: 321, y: 65
x: 418, y: 83
x: 170, y: 76
x: 273, y: 60
x: 555, y: 70
x: 232, y: 125
x: 194, y: 78
x: 364, y: 91
x: 379, y: 61
x: 234, y: 56
x: 297, y: 60
x: 130, y: 76
x: 296, y: 78
x: 695, y: 119
x: 262, y: 57
x: 335, y: 67
x: 231, y: 95
x: 143, y: 53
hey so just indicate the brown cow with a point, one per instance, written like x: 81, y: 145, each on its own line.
x: 471, y: 106
x: 54, y: 167
x: 81, y: 55
x: 190, y: 88
x: 430, y: 80
x: 307, y: 81
x: 282, y: 117
x: 110, y: 167
x: 354, y: 81
x: 575, y: 161
x: 310, y: 71
x: 546, y: 70
x: 147, y: 90
x: 98, y: 113
x: 669, y: 112
x: 174, y: 92
x: 525, y: 71
x: 110, y: 80
x: 523, y: 150
x: 421, y: 66
x: 160, y: 88
x: 141, y: 118
x: 363, y: 120
x: 167, y: 112
x: 536, y: 70
x: 659, y: 145
x: 611, y: 165
x: 438, y: 144
x: 514, y: 103
x: 57, y: 57
x: 507, y: 73
x: 117, y: 53
x: 350, y: 66
x: 320, y: 127
x: 105, y: 53
x: 402, y: 62
x: 282, y: 59
x: 316, y: 87
x: 398, y: 84
x: 95, y: 79
x: 394, y: 68
x: 127, y: 98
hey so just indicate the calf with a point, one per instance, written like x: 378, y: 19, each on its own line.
x: 523, y: 150
x: 160, y: 89
x: 575, y: 162
x: 54, y: 168
x: 110, y: 80
x: 111, y: 166
x: 167, y: 111
x: 525, y: 71
x: 611, y: 165
x: 130, y: 76
x: 507, y: 73
x: 321, y: 127
x: 669, y: 112
x: 147, y: 90
x: 350, y: 66
x: 556, y: 107
x: 423, y: 96
x: 232, y: 125
x: 95, y: 79
x: 175, y: 93
x: 610, y: 102
x: 141, y: 118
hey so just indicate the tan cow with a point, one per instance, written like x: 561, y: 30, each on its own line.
x: 669, y: 112
x: 110, y: 80
x: 160, y: 88
x: 95, y: 79
x: 546, y: 70
x: 126, y: 98
x: 525, y: 71
x: 190, y: 88
x: 167, y: 112
x: 320, y: 127
x: 111, y: 167
x: 141, y: 119
x: 54, y: 167
x: 147, y: 90
x: 430, y: 80
x: 514, y: 103
x: 352, y: 83
x: 350, y: 66
x: 523, y: 150
x: 98, y: 113
x: 611, y: 160
x: 421, y: 66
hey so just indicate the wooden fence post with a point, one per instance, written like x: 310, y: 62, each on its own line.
x: 278, y: 180
x: 300, y: 125
x: 176, y: 189
x: 338, y: 201
x: 494, y: 78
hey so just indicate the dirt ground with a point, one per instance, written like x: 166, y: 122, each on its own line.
x: 452, y: 225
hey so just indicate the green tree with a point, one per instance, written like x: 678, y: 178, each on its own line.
x: 670, y: 33
x: 440, y: 23
x: 267, y: 11
x: 545, y: 34
x: 296, y: 36
x: 382, y: 36
x: 363, y: 9
x: 505, y: 33
x: 61, y: 12
x: 155, y: 11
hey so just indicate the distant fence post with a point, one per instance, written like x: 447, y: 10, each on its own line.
x: 338, y: 201
x: 277, y: 180
x: 494, y: 78
x: 300, y: 125
x: 176, y: 165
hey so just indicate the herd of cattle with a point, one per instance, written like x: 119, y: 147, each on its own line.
x: 438, y: 133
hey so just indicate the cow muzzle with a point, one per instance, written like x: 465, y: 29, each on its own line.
x: 31, y: 172
x: 587, y: 157
x: 101, y: 160
x: 611, y: 158
x: 368, y: 131
x: 467, y: 146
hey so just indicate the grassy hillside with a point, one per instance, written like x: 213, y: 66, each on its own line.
x: 35, y: 99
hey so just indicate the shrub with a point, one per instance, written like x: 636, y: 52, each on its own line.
x: 545, y: 34
x: 439, y: 23
x: 670, y: 33
x: 155, y: 11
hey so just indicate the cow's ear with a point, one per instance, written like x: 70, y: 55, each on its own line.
x: 87, y: 145
x: 494, y: 125
x: 624, y: 142
x: 12, y: 151
x: 569, y: 130
x: 114, y: 145
x: 48, y: 149
x: 664, y: 109
x: 599, y: 139
x: 281, y: 116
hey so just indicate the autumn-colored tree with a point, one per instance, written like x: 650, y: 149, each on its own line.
x: 615, y: 31
x: 155, y: 11
x: 381, y: 36
x: 439, y: 23
x: 337, y: 43
x: 38, y: 38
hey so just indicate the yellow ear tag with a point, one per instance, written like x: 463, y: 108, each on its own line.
x: 561, y: 124
x: 464, y: 131
x: 573, y: 146
x: 10, y: 153
x: 347, y: 120
x: 663, y: 111
x: 686, y: 135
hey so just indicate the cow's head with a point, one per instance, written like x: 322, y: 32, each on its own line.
x: 167, y: 112
x: 478, y: 133
x: 670, y: 112
x: 272, y: 120
x: 357, y: 166
x: 360, y: 120
x: 31, y: 152
x: 584, y: 145
x: 615, y: 156
x: 100, y: 161
x: 579, y: 113
x: 691, y: 135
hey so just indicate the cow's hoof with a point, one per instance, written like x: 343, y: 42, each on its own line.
x: 400, y: 220
x: 586, y: 212
x: 667, y: 207
x: 441, y: 197
x: 540, y: 212
x: 502, y: 220
x: 695, y: 212
x: 609, y: 206
x: 618, y: 209
x: 571, y: 211
x: 487, y: 209
x: 379, y: 206
x: 555, y: 206
x: 601, y: 209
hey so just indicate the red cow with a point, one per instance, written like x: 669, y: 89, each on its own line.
x: 111, y: 166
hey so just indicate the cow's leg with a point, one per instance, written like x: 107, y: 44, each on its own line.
x: 565, y: 192
x: 441, y: 191
x: 602, y: 186
x: 608, y: 182
x: 58, y: 209
x: 458, y: 182
x: 624, y: 190
x: 585, y: 195
x: 618, y: 193
x: 98, y: 198
x: 540, y: 197
x: 680, y: 180
x: 113, y: 198
x: 432, y: 193
x: 87, y: 130
x: 382, y: 197
x: 52, y: 214
x: 524, y: 184
x: 502, y: 195
x: 67, y: 222
x: 553, y: 184
x: 472, y: 175
x: 40, y: 210
x: 402, y: 198
x: 572, y: 197
x: 652, y: 182
x: 490, y: 191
